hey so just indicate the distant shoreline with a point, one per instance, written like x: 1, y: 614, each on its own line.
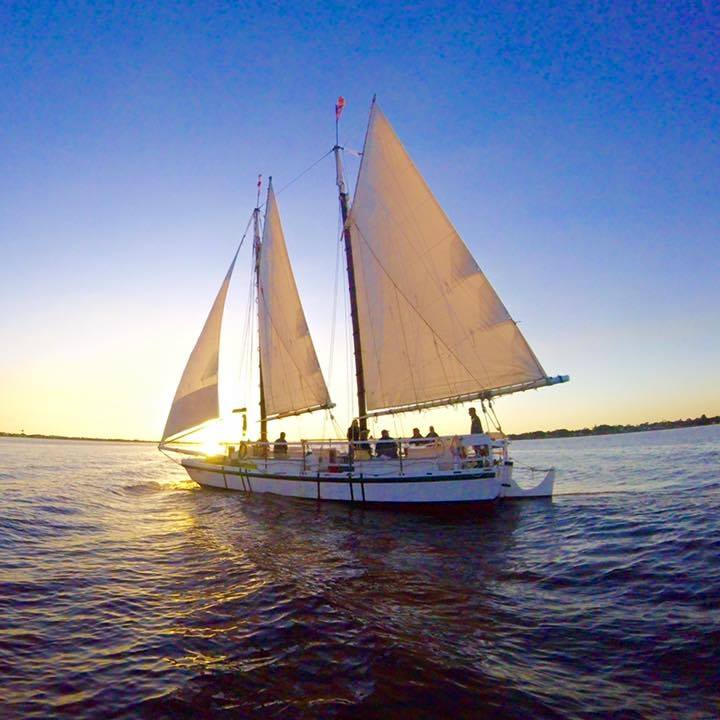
x: 38, y: 436
x: 616, y: 429
x: 532, y: 435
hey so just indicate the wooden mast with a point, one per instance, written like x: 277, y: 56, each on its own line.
x: 257, y: 246
x: 340, y: 181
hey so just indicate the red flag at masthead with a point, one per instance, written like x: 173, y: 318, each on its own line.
x: 339, y: 105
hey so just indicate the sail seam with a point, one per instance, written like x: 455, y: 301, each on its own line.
x: 451, y: 233
x: 412, y: 306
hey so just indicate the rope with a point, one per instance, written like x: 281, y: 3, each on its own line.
x: 333, y: 325
x: 169, y: 457
x: 302, y: 174
x: 492, y: 410
x: 488, y: 417
x: 349, y: 362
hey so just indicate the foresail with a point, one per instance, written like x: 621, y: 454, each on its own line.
x: 432, y: 327
x: 292, y: 380
x: 196, y: 398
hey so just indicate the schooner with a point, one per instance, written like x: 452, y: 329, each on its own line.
x: 428, y: 330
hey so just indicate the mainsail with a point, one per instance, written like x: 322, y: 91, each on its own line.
x: 432, y: 328
x: 196, y: 398
x: 292, y: 381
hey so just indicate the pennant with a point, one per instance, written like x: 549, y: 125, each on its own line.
x: 339, y: 105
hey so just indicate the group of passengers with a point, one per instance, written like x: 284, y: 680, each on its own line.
x: 385, y: 446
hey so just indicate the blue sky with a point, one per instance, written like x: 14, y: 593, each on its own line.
x: 574, y: 146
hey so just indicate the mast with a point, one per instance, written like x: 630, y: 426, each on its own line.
x: 342, y: 191
x: 257, y: 247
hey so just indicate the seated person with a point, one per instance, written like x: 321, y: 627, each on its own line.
x: 364, y: 444
x: 280, y: 447
x: 386, y: 446
x: 417, y: 438
x: 432, y: 434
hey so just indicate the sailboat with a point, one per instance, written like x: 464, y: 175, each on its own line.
x: 428, y: 331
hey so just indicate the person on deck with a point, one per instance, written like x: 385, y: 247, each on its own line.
x: 364, y: 444
x: 386, y: 446
x: 417, y: 438
x: 353, y: 435
x: 280, y: 447
x: 476, y: 429
x: 432, y: 434
x: 475, y: 424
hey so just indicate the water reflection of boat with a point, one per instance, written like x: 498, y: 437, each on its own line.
x: 428, y: 331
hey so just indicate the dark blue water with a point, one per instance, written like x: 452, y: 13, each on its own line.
x: 126, y: 591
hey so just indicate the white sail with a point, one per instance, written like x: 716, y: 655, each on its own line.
x: 432, y: 328
x: 292, y: 380
x: 196, y: 398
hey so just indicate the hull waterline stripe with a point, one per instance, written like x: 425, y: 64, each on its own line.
x: 343, y: 479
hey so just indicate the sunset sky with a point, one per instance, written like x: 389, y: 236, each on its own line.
x: 574, y: 146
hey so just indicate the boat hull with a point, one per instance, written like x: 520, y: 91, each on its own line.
x: 483, y: 485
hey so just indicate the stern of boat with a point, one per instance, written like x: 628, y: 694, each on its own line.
x: 542, y: 489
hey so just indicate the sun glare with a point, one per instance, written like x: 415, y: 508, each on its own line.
x: 213, y: 438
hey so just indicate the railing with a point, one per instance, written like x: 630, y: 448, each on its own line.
x: 398, y: 455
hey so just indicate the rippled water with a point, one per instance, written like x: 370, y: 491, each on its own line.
x: 127, y: 591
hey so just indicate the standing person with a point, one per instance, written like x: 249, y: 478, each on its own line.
x: 475, y: 424
x: 386, y: 446
x: 280, y: 447
x: 476, y: 429
x: 353, y: 435
x: 432, y: 433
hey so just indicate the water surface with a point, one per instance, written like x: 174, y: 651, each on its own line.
x: 128, y: 591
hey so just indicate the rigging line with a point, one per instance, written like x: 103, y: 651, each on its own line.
x: 245, y: 328
x: 297, y: 177
x: 346, y: 342
x: 252, y: 337
x: 333, y: 324
x: 249, y: 342
x: 246, y: 350
x: 417, y: 312
x: 369, y: 358
x: 169, y: 457
x: 488, y: 417
x: 492, y: 410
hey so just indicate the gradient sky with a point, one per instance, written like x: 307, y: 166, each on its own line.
x: 574, y: 146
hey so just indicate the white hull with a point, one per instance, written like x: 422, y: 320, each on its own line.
x: 381, y: 485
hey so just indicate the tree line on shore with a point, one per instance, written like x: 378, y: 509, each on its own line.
x: 616, y: 429
x: 533, y: 435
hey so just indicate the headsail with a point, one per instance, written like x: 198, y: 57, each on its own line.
x: 196, y: 398
x: 433, y: 330
x: 292, y: 380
